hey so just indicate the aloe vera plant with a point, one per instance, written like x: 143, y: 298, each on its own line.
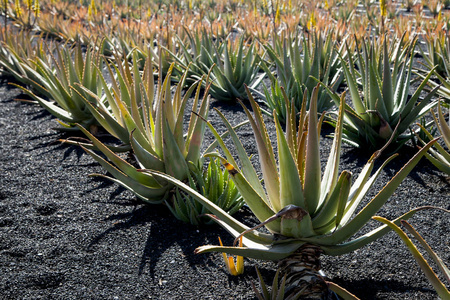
x: 437, y: 54
x: 60, y: 79
x: 437, y: 58
x: 214, y: 184
x: 125, y: 86
x: 21, y: 50
x: 305, y: 213
x: 155, y: 129
x: 382, y: 111
x: 238, y: 69
x: 150, y: 119
x: 233, y: 65
x: 299, y: 63
x: 198, y: 55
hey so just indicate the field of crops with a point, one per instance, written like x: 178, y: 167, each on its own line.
x: 240, y: 149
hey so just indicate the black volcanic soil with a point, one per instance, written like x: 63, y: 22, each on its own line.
x: 64, y: 235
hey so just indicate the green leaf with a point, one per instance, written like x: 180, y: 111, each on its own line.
x: 290, y: 184
x: 270, y: 252
x: 312, y: 161
x: 429, y: 273
x: 376, y: 203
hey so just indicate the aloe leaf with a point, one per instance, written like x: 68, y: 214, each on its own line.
x: 266, y: 156
x: 147, y: 158
x: 330, y: 176
x: 350, y: 246
x: 388, y: 90
x: 73, y: 141
x: 54, y: 109
x: 427, y: 248
x: 312, y: 161
x: 180, y: 104
x: 238, y: 65
x: 429, y: 273
x: 247, y: 167
x: 340, y: 291
x: 290, y: 184
x: 196, y: 140
x: 410, y: 115
x: 255, y: 202
x: 265, y: 292
x: 270, y: 252
x: 119, y: 162
x: 351, y: 81
x: 444, y: 128
x: 131, y: 126
x: 335, y: 203
x: 153, y: 194
x: 122, y: 85
x: 377, y: 101
x: 214, y: 144
x: 376, y: 203
x: 362, y: 185
x: 440, y: 160
x: 175, y: 163
x: 192, y: 121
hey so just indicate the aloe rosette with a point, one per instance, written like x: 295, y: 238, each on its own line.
x: 150, y: 119
x: 21, y: 50
x: 155, y: 129
x: 382, y: 109
x: 299, y: 62
x: 305, y: 213
x: 60, y: 78
x: 233, y: 65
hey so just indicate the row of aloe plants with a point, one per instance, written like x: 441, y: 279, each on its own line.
x: 149, y: 121
x: 381, y: 110
x: 72, y: 19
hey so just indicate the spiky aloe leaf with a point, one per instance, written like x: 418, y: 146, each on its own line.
x: 312, y: 160
x: 429, y: 273
x: 352, y: 245
x: 349, y: 229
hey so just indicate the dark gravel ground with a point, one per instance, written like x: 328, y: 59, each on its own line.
x: 66, y: 236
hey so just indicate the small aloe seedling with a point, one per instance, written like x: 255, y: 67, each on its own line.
x: 233, y: 268
x: 212, y: 183
x: 277, y: 291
